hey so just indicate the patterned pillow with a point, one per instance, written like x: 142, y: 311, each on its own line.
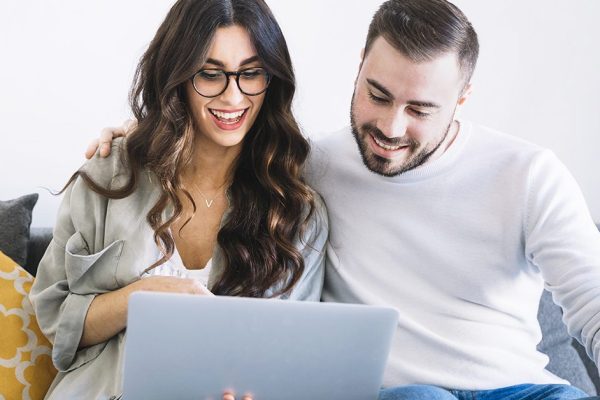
x: 26, y: 369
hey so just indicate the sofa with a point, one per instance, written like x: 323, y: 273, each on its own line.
x: 568, y: 358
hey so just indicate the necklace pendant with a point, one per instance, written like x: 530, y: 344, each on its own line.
x: 208, y: 203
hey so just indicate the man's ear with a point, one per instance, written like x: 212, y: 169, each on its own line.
x: 466, y: 93
x: 362, y: 59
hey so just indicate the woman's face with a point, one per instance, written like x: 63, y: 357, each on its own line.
x: 224, y: 120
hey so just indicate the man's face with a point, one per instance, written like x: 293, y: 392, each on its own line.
x: 403, y: 112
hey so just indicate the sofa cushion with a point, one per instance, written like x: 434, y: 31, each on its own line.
x: 26, y: 369
x: 15, y: 220
x: 556, y: 343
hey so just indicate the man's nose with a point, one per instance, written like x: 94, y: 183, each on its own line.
x: 395, y: 124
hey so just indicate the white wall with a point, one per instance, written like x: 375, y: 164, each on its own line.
x: 66, y: 67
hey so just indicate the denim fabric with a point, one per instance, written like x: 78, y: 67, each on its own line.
x: 518, y: 392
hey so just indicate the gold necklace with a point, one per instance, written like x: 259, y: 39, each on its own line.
x: 207, y: 201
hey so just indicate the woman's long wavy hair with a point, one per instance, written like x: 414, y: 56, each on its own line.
x: 270, y: 203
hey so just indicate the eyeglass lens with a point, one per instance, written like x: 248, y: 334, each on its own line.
x: 212, y: 82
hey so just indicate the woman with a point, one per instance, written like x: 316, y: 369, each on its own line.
x: 204, y: 196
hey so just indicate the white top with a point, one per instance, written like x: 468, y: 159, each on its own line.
x: 174, y: 267
x: 461, y: 246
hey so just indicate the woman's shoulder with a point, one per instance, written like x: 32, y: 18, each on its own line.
x: 320, y: 206
x: 104, y: 170
x: 317, y: 226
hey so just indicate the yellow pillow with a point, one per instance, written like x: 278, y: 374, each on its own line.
x: 26, y: 369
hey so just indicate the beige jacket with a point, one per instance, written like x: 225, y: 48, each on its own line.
x: 101, y: 245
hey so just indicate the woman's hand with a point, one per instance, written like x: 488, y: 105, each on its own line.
x: 107, y: 135
x: 107, y: 314
x: 230, y: 396
x: 170, y: 284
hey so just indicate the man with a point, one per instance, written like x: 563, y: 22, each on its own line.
x: 455, y: 225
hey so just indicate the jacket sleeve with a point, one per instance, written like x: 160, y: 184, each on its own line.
x: 312, y: 247
x: 76, y: 267
x: 563, y: 242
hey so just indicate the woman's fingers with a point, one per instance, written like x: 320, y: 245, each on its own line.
x: 172, y: 284
x: 230, y: 396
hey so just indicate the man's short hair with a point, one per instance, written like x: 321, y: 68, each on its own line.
x: 425, y: 29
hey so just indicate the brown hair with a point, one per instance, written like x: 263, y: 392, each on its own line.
x: 424, y: 29
x: 270, y: 203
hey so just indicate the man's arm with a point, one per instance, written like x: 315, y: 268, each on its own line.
x: 564, y: 243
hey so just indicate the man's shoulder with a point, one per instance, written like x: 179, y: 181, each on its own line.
x: 491, y: 149
x: 338, y: 143
x: 502, y: 139
x: 334, y: 147
x: 495, y: 143
x: 323, y: 143
x: 337, y: 137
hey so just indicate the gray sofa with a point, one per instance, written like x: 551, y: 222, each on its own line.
x: 567, y: 357
x: 39, y: 239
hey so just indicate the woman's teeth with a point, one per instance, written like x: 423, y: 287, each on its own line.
x: 228, y: 118
x: 386, y: 146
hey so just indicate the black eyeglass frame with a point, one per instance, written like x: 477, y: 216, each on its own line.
x: 229, y: 74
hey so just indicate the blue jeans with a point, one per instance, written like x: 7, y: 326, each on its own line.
x: 518, y: 392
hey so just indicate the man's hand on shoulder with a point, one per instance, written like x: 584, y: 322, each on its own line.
x: 107, y: 135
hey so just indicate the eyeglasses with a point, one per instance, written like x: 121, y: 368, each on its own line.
x: 213, y: 82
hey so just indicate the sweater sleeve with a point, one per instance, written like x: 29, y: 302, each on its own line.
x: 563, y: 242
x: 76, y: 267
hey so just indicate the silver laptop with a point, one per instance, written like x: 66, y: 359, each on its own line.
x: 197, y: 347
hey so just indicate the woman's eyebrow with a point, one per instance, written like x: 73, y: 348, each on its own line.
x: 222, y: 65
x: 249, y: 60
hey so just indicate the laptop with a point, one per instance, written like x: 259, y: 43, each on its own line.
x: 196, y: 347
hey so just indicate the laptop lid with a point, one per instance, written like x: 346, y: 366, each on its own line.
x: 196, y: 347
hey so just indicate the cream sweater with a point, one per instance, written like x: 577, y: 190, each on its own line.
x: 462, y: 246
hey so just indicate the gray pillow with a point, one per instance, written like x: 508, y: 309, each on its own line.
x: 15, y: 220
x: 557, y: 344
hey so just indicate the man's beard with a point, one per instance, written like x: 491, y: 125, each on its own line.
x: 384, y: 166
